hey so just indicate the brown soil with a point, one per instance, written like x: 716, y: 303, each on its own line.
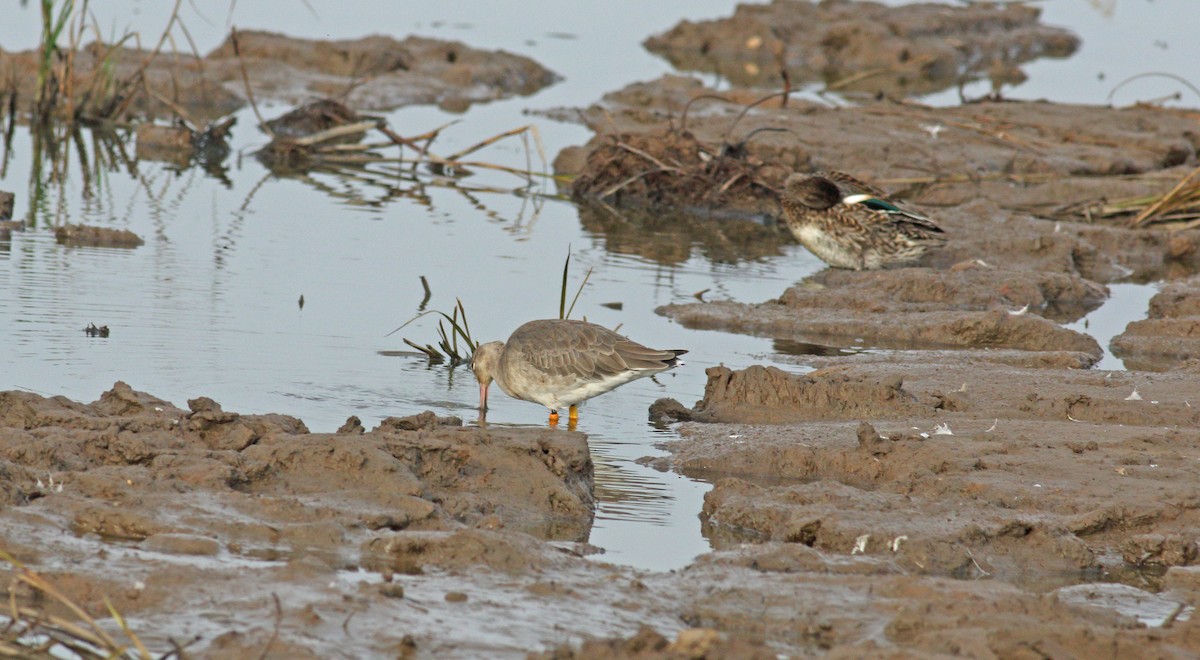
x: 162, y: 492
x: 376, y: 73
x: 864, y: 537
x: 978, y: 460
x: 392, y: 73
x: 975, y: 490
x: 991, y: 161
x: 865, y: 46
x: 981, y: 469
x: 7, y: 200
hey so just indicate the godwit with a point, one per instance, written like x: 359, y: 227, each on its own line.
x: 561, y: 363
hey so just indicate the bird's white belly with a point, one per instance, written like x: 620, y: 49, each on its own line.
x: 565, y: 394
x: 820, y: 243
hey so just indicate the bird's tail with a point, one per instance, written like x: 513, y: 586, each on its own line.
x: 675, y: 361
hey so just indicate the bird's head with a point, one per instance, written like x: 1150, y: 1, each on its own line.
x: 484, y: 363
x: 815, y: 192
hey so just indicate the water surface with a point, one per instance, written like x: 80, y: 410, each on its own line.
x: 210, y: 304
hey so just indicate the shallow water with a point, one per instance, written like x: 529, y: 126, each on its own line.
x: 210, y: 304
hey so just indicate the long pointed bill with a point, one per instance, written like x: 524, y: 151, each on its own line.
x: 483, y: 397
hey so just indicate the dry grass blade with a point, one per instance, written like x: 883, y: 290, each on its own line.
x: 910, y: 65
x: 1182, y: 203
x: 112, y: 611
x: 237, y: 52
x: 661, y: 165
x: 32, y: 632
x: 490, y: 141
x: 335, y: 133
x: 579, y: 291
x: 612, y: 190
x: 1179, y: 208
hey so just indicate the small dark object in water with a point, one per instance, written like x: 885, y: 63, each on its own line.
x: 7, y: 201
x: 315, y: 117
x: 182, y: 144
x: 92, y: 331
x: 88, y: 236
x: 302, y: 301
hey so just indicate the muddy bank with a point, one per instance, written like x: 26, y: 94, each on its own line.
x: 1014, y: 185
x: 183, y: 501
x: 977, y: 307
x: 864, y: 46
x: 978, y: 455
x: 980, y: 469
x: 379, y: 73
x: 371, y: 73
x: 423, y: 538
x: 1007, y: 180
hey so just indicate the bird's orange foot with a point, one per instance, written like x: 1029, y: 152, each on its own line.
x: 573, y: 413
x: 554, y: 418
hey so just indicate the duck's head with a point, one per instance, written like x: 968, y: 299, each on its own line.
x: 484, y: 363
x: 815, y: 192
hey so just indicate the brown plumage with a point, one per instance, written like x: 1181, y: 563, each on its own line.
x: 849, y: 224
x: 561, y: 363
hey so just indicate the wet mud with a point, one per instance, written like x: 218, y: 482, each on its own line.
x: 826, y: 532
x: 184, y: 501
x: 372, y: 73
x: 965, y: 468
x: 948, y: 476
x: 953, y: 443
x: 864, y: 46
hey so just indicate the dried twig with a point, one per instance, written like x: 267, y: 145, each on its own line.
x: 32, y: 632
x: 237, y: 51
x: 1181, y: 203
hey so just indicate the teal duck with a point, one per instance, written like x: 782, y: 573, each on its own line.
x: 849, y: 224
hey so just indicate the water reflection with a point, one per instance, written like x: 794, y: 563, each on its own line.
x: 670, y: 237
x: 801, y: 348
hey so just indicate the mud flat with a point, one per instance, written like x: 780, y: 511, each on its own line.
x: 371, y: 73
x: 865, y: 46
x: 963, y: 484
x: 206, y: 512
x: 422, y: 538
x: 959, y: 466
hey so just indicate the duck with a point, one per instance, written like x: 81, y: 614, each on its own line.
x: 560, y: 363
x: 849, y: 224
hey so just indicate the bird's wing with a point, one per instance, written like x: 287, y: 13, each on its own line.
x: 582, y: 351
x: 910, y: 223
x: 849, y: 185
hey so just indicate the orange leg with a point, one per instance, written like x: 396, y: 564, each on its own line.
x: 553, y: 418
x: 573, y: 413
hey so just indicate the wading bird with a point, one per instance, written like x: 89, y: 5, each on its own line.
x: 561, y: 363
